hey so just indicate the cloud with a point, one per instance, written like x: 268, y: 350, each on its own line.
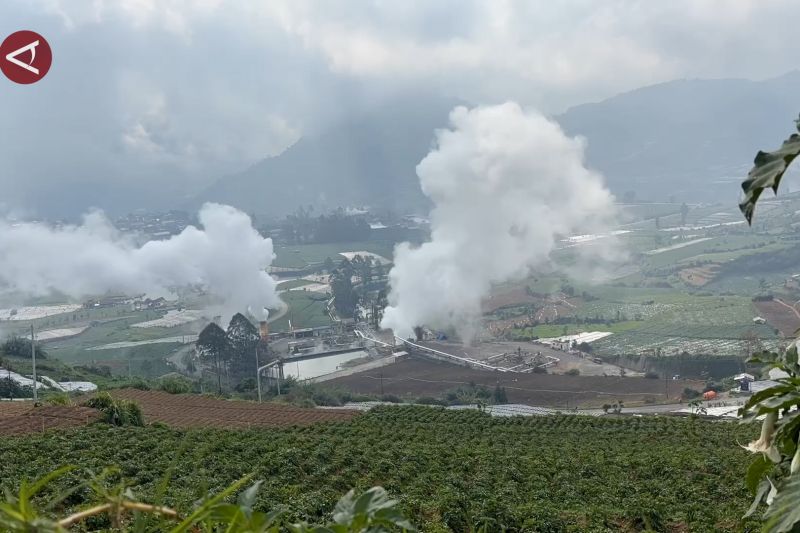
x: 166, y: 96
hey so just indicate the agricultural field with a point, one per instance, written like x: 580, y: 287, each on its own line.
x: 780, y: 314
x: 306, y: 309
x: 189, y: 410
x: 650, y: 321
x: 18, y: 418
x: 415, y: 377
x: 555, y: 473
x: 301, y: 256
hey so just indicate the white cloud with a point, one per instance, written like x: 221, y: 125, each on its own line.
x: 144, y: 91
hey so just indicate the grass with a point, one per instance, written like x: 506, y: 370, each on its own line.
x: 294, y: 283
x: 306, y: 310
x: 305, y: 255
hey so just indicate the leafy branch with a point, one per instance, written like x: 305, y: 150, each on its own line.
x: 371, y: 512
x: 773, y: 476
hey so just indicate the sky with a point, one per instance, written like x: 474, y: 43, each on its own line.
x: 149, y: 100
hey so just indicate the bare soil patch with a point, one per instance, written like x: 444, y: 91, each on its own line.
x: 416, y: 377
x: 779, y: 316
x: 699, y: 276
x: 19, y: 418
x: 187, y: 410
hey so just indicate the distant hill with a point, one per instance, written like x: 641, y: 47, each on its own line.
x: 692, y: 139
x: 365, y: 160
x: 688, y: 138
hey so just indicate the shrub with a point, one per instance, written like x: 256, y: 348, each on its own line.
x: 323, y: 397
x: 500, y: 395
x: 391, y: 398
x: 140, y: 384
x: 690, y: 394
x: 540, y: 370
x: 175, y: 385
x: 59, y: 399
x: 117, y: 412
x: 21, y: 347
x: 573, y: 372
x: 430, y: 400
x: 651, y: 375
x: 12, y: 389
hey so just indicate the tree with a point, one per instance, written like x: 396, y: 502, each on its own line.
x: 500, y: 396
x: 345, y: 298
x: 684, y: 212
x: 328, y: 265
x: 21, y: 347
x: 212, y: 345
x: 243, y: 339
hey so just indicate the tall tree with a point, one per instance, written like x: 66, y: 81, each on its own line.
x: 243, y: 338
x: 345, y: 298
x: 212, y: 345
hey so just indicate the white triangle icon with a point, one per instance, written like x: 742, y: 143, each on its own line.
x: 27, y: 66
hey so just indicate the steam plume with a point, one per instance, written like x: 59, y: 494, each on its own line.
x: 506, y: 186
x: 227, y: 258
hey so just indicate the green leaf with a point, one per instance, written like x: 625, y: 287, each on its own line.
x: 784, y: 512
x: 767, y: 171
x: 761, y: 492
x: 248, y: 497
x: 756, y: 471
x: 208, y: 506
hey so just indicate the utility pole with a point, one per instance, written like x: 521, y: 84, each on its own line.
x: 33, y: 358
x: 258, y: 375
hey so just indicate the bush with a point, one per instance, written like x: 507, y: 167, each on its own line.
x: 11, y: 389
x: 651, y: 375
x: 323, y: 397
x: 540, y: 370
x: 117, y: 412
x: 175, y: 385
x: 573, y: 372
x: 59, y: 399
x: 140, y: 384
x: 690, y: 394
x: 391, y: 398
x: 500, y: 395
x: 21, y: 347
x: 430, y: 400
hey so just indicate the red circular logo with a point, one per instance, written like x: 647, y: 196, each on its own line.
x: 25, y: 57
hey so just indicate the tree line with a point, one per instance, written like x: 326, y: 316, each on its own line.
x: 303, y: 228
x: 233, y: 351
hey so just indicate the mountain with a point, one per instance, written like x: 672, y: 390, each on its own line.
x: 369, y: 159
x: 687, y: 139
x: 694, y: 139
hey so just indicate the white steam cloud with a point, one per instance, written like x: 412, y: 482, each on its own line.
x: 507, y: 185
x: 227, y: 258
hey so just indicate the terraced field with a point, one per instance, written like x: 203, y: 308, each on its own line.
x: 190, y: 411
x: 175, y: 410
x: 18, y: 418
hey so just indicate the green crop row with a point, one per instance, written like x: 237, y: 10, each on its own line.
x: 451, y: 470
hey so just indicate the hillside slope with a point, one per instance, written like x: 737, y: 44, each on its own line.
x: 685, y: 138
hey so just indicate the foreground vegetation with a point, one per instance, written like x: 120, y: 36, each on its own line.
x: 451, y: 470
